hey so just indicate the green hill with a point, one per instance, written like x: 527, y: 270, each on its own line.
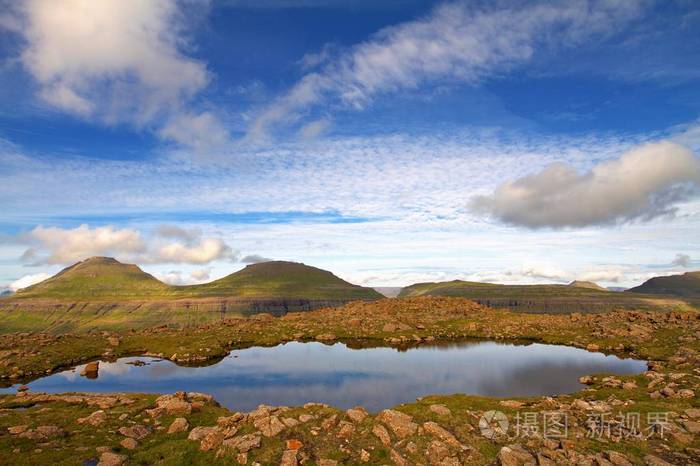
x: 573, y: 297
x: 97, y: 278
x: 104, y: 278
x: 686, y: 285
x: 278, y: 279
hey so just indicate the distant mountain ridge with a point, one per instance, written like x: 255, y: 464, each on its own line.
x: 105, y: 278
x: 686, y: 285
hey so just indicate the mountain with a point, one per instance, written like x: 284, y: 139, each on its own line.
x: 388, y: 291
x: 686, y: 285
x: 575, y: 297
x: 104, y: 278
x: 585, y: 284
x: 279, y: 279
x: 97, y: 278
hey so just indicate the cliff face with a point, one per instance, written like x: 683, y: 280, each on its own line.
x: 54, y: 316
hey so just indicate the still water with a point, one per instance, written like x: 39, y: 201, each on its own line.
x: 376, y: 378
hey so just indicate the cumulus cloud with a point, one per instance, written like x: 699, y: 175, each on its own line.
x: 168, y: 244
x: 176, y: 277
x: 254, y: 259
x: 457, y: 42
x: 681, y: 260
x: 118, y: 61
x: 28, y: 280
x: 644, y: 183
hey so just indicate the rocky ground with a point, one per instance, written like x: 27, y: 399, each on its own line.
x: 190, y: 428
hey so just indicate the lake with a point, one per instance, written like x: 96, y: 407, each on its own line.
x: 376, y: 378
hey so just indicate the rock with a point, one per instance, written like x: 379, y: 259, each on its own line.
x: 651, y: 460
x: 22, y: 388
x: 389, y: 328
x: 356, y: 414
x: 693, y: 413
x: 437, y: 451
x: 618, y: 459
x: 294, y: 444
x: 243, y: 443
x: 129, y: 443
x: 111, y: 459
x: 346, y: 430
x: 91, y: 370
x: 289, y: 458
x: 180, y: 424
x: 306, y: 418
x: 629, y: 385
x: 402, y: 424
x: 686, y: 393
x: 397, y: 458
x: 14, y: 430
x: 113, y: 341
x: 326, y: 337
x: 383, y: 435
x: 668, y: 392
x: 692, y: 426
x: 514, y: 455
x: 441, y: 433
x: 512, y: 404
x: 45, y: 432
x: 586, y: 380
x: 199, y: 432
x: 269, y: 426
x: 290, y: 421
x: 94, y: 419
x: 364, y: 456
x: 581, y: 405
x: 212, y: 440
x: 137, y: 431
x: 592, y: 347
x: 229, y: 421
x: 174, y: 405
x: 242, y: 458
x: 440, y: 410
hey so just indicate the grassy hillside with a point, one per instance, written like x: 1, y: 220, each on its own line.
x: 97, y: 278
x: 277, y: 279
x: 686, y: 285
x: 103, y: 278
x: 543, y: 298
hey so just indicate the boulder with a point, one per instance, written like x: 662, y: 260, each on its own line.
x: 137, y: 431
x: 402, y: 424
x: 289, y: 458
x: 111, y: 459
x: 515, y: 455
x: 129, y: 443
x: 383, y: 435
x: 440, y: 410
x: 270, y: 426
x: 243, y: 443
x: 94, y: 419
x: 356, y: 414
x: 441, y: 433
x: 180, y: 424
x: 213, y: 439
x: 199, y: 432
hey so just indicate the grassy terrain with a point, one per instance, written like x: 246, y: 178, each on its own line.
x: 670, y: 339
x: 546, y: 298
x: 103, y: 278
x: 687, y: 285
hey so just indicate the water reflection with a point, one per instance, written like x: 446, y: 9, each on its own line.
x: 380, y: 377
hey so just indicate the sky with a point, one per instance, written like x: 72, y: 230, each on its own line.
x: 391, y: 142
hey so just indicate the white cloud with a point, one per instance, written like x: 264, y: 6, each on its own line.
x: 645, y: 182
x: 456, y: 42
x: 119, y: 61
x: 176, y: 277
x: 254, y: 259
x: 681, y: 260
x: 314, y: 129
x: 28, y: 280
x: 169, y: 244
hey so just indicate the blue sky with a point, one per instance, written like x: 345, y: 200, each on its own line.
x: 388, y: 141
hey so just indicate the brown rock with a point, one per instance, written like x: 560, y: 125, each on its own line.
x: 383, y: 435
x: 440, y: 410
x: 294, y: 444
x: 346, y: 430
x: 212, y: 440
x: 618, y: 459
x: 651, y: 460
x: 94, y: 419
x: 174, y: 405
x: 243, y: 443
x: 289, y: 458
x: 692, y: 426
x: 129, y: 443
x: 437, y: 451
x: 199, y: 432
x: 397, y: 458
x: 14, y: 430
x: 326, y: 462
x: 269, y: 426
x: 356, y: 414
x: 91, y: 370
x: 180, y: 424
x: 514, y: 455
x: 436, y: 430
x: 326, y: 337
x: 402, y: 424
x: 111, y: 459
x: 512, y: 404
x: 137, y: 431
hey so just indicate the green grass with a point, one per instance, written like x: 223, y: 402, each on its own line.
x: 103, y: 278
